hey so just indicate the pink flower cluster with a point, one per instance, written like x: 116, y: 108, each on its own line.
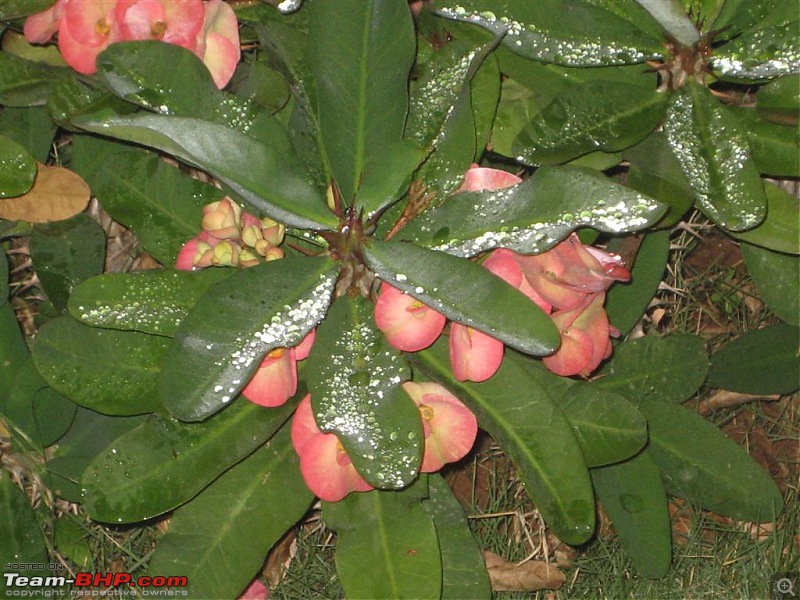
x: 568, y: 282
x: 87, y: 27
x: 233, y: 237
x: 449, y: 430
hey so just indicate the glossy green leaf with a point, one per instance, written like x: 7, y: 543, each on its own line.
x: 21, y: 537
x: 31, y: 128
x: 17, y: 168
x: 779, y: 100
x: 655, y: 171
x: 259, y: 82
x: 386, y: 176
x: 65, y: 253
x: 776, y: 148
x: 466, y: 293
x: 484, y: 89
x: 363, y: 84
x: 713, y: 151
x: 590, y: 37
x: 627, y: 302
x: 521, y: 416
x: 699, y: 463
x: 76, y: 96
x: 780, y: 230
x: 162, y: 463
x: 518, y: 106
x: 277, y: 187
x: 26, y: 82
x: 13, y: 350
x: 156, y: 200
x: 153, y: 302
x: 736, y: 16
x: 112, y: 372
x: 633, y: 496
x: 673, y: 18
x: 387, y: 545
x: 170, y: 80
x: 596, y: 115
x: 760, y: 54
x: 464, y: 575
x: 35, y: 412
x: 355, y: 376
x: 89, y: 433
x: 218, y: 541
x: 13, y: 9
x: 763, y: 361
x: 609, y: 429
x: 234, y: 324
x: 777, y: 277
x: 532, y: 216
x: 664, y: 369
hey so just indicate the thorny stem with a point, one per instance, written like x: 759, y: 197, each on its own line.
x: 418, y: 201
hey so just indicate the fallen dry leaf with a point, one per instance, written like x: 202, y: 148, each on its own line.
x: 57, y: 194
x: 528, y: 576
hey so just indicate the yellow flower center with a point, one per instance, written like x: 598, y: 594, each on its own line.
x: 427, y: 412
x: 158, y: 29
x: 102, y: 28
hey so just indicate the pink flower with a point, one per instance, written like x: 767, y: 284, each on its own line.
x: 173, y: 21
x: 474, y: 355
x: 324, y: 464
x: 275, y: 381
x: 87, y: 27
x: 584, y: 338
x: 407, y: 323
x: 567, y: 272
x: 255, y: 591
x: 450, y: 427
x: 481, y: 178
x: 218, y: 41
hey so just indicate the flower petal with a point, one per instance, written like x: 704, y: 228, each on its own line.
x: 275, y: 381
x: 474, y: 355
x: 407, y: 324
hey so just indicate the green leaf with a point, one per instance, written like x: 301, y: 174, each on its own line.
x: 14, y: 9
x: 112, y: 372
x: 777, y: 277
x: 700, y: 464
x: 156, y: 200
x: 26, y: 82
x: 466, y: 293
x: 521, y: 416
x: 627, y: 302
x: 780, y: 230
x: 277, y: 187
x: 4, y: 289
x: 35, y: 412
x: 387, y: 545
x: 30, y: 127
x: 656, y: 172
x: 218, y: 541
x: 776, y: 148
x: 596, y: 115
x: 89, y: 433
x: 386, y: 176
x: 763, y: 361
x: 464, y: 574
x: 674, y: 20
x: 779, y: 100
x: 22, y: 539
x: 590, y: 37
x: 609, y: 429
x: 760, y: 55
x: 162, y: 463
x: 75, y: 96
x: 17, y: 168
x: 736, y: 16
x: 355, y: 376
x: 154, y: 301
x: 663, y: 369
x: 235, y: 323
x: 632, y: 494
x: 532, y: 216
x: 363, y: 84
x: 712, y: 149
x: 65, y: 253
x: 13, y: 350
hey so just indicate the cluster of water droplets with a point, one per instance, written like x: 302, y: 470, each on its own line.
x: 532, y: 42
x: 134, y: 310
x: 358, y: 377
x: 285, y: 328
x: 764, y: 56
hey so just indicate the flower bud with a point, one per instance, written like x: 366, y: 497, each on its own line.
x: 221, y: 219
x: 226, y: 254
